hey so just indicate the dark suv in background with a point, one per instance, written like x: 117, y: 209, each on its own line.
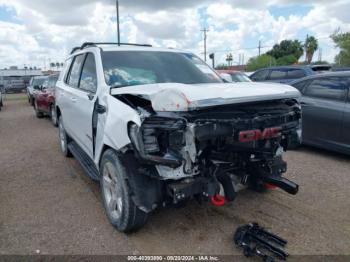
x: 287, y: 74
x: 325, y: 106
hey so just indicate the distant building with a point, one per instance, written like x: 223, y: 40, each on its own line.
x: 15, y: 79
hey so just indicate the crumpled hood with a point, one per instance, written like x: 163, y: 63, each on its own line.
x: 185, y: 97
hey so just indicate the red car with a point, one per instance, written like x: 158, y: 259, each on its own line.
x: 44, y: 99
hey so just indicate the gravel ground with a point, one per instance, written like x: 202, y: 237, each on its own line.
x: 48, y: 205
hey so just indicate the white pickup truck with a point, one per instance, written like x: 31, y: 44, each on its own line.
x: 158, y: 127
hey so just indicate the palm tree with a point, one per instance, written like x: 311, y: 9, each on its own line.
x: 311, y: 45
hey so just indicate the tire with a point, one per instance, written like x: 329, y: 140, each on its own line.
x: 121, y: 211
x: 38, y: 114
x: 53, y: 116
x: 64, y: 139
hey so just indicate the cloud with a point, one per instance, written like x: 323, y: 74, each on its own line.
x: 49, y: 29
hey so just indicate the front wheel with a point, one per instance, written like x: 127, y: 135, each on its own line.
x: 121, y: 210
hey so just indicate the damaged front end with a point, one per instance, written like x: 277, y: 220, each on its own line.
x: 203, y: 153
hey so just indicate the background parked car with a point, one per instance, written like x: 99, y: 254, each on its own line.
x: 1, y: 94
x: 234, y: 76
x: 35, y: 84
x: 326, y: 110
x: 282, y: 74
x: 15, y: 86
x: 44, y: 99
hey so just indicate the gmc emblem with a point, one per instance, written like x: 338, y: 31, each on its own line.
x: 252, y: 135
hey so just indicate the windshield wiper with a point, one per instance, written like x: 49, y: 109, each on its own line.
x: 118, y: 86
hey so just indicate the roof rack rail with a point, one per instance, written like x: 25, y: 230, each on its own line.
x: 75, y: 49
x: 87, y: 44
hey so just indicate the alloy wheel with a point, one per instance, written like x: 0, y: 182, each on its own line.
x: 112, y: 191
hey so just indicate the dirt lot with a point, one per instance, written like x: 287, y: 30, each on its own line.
x: 48, y: 204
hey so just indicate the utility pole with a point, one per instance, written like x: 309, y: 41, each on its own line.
x: 204, y: 30
x: 320, y: 54
x: 118, y: 29
x: 259, y: 47
x: 305, y: 46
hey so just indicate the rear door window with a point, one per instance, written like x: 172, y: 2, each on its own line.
x: 295, y: 73
x: 278, y: 74
x: 260, y: 75
x: 332, y: 88
x: 74, y: 74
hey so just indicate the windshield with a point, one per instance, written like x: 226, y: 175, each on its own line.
x: 38, y: 81
x: 127, y: 68
x: 239, y: 77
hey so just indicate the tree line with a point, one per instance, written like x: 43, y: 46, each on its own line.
x: 288, y: 52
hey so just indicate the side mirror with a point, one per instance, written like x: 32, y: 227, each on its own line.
x: 226, y: 77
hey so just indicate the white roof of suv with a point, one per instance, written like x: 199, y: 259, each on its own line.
x: 125, y: 47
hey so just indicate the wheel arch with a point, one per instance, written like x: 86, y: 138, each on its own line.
x: 58, y: 112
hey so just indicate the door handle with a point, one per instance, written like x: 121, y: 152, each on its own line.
x: 73, y: 99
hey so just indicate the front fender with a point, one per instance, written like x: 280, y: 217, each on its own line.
x: 112, y: 127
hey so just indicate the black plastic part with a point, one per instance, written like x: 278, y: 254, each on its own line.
x: 146, y: 190
x: 272, y: 175
x: 84, y: 160
x: 283, y: 183
x: 255, y: 240
x: 226, y: 183
x: 185, y: 189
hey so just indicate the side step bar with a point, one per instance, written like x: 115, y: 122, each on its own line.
x: 84, y: 160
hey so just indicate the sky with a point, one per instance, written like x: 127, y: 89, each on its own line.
x: 36, y: 32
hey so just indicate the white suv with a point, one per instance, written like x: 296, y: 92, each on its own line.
x: 158, y: 126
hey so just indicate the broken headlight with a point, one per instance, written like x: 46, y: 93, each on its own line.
x: 158, y: 138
